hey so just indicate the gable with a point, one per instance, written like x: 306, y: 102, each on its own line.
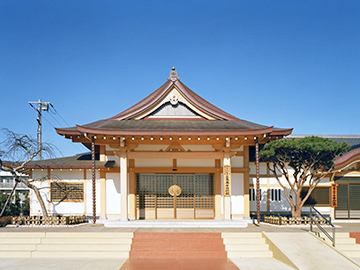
x: 174, y: 104
x: 172, y: 110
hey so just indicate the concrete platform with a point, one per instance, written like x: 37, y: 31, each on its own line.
x: 60, y: 264
x: 300, y: 248
x: 176, y: 223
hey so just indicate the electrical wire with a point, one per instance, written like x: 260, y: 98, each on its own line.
x: 56, y: 112
x: 43, y: 116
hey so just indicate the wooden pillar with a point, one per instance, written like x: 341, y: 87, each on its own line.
x: 102, y: 184
x: 217, y: 187
x: 103, y: 194
x: 227, y: 185
x: 246, y: 183
x: 123, y: 186
x: 132, y: 190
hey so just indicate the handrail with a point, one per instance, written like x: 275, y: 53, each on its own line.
x: 332, y: 239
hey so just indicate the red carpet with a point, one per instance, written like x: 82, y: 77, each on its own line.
x: 178, y: 251
x: 356, y: 236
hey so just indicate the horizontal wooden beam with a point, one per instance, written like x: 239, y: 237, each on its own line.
x: 176, y: 170
x: 176, y: 155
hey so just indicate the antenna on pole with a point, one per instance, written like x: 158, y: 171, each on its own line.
x: 42, y: 106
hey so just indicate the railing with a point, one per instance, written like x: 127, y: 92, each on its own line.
x: 11, y: 185
x: 332, y: 239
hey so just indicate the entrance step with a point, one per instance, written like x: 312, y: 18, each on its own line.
x: 177, y: 245
x: 65, y: 245
x: 18, y: 245
x: 246, y: 245
x: 347, y: 243
x: 176, y: 223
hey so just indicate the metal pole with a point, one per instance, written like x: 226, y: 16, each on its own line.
x: 42, y: 106
x: 257, y: 180
x: 39, y: 128
x: 93, y: 178
x: 311, y: 229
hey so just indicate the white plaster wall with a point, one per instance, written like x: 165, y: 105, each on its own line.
x: 262, y: 168
x: 35, y: 209
x: 274, y: 181
x: 237, y: 162
x: 262, y: 180
x: 153, y: 163
x: 195, y: 163
x: 113, y: 203
x: 198, y: 147
x: 66, y: 174
x: 39, y: 174
x: 237, y: 193
x: 322, y: 209
x: 151, y: 147
x: 43, y: 185
x: 89, y: 205
x: 222, y: 193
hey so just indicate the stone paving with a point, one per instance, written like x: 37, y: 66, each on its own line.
x: 57, y: 264
x: 340, y: 227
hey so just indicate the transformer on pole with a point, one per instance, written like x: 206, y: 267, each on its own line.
x: 42, y: 106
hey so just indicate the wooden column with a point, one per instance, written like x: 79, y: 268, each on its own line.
x: 102, y: 184
x: 217, y: 181
x: 132, y: 190
x: 227, y: 185
x: 246, y: 183
x: 103, y: 194
x: 123, y: 186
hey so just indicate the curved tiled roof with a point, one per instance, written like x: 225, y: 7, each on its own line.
x: 124, y: 123
x: 348, y: 158
x: 174, y: 127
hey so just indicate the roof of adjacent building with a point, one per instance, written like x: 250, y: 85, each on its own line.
x: 351, y: 156
x: 203, y: 117
x: 80, y: 161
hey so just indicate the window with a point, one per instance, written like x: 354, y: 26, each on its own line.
x: 320, y: 196
x: 67, y: 192
x: 252, y: 194
x: 275, y: 194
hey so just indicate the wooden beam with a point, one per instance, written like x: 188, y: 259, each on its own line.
x: 176, y: 155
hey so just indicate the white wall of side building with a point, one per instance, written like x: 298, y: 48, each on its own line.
x: 237, y: 194
x: 113, y: 194
x: 41, y: 182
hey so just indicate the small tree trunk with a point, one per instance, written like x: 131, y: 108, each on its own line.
x: 296, y: 212
x: 38, y: 196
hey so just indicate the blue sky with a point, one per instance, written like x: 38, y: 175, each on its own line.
x: 282, y: 63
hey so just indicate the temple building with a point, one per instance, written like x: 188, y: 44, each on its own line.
x: 173, y: 155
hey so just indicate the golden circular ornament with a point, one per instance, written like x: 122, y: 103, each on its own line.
x: 174, y: 190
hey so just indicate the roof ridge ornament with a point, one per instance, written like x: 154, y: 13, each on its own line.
x: 173, y: 75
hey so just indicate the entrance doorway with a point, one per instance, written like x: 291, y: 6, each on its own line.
x: 348, y: 205
x: 175, y: 196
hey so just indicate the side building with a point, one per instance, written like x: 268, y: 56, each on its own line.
x: 337, y: 195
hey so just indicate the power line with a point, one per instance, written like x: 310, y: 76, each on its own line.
x: 44, y: 106
x: 56, y: 112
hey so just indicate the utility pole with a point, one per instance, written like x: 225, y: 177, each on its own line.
x: 42, y: 106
